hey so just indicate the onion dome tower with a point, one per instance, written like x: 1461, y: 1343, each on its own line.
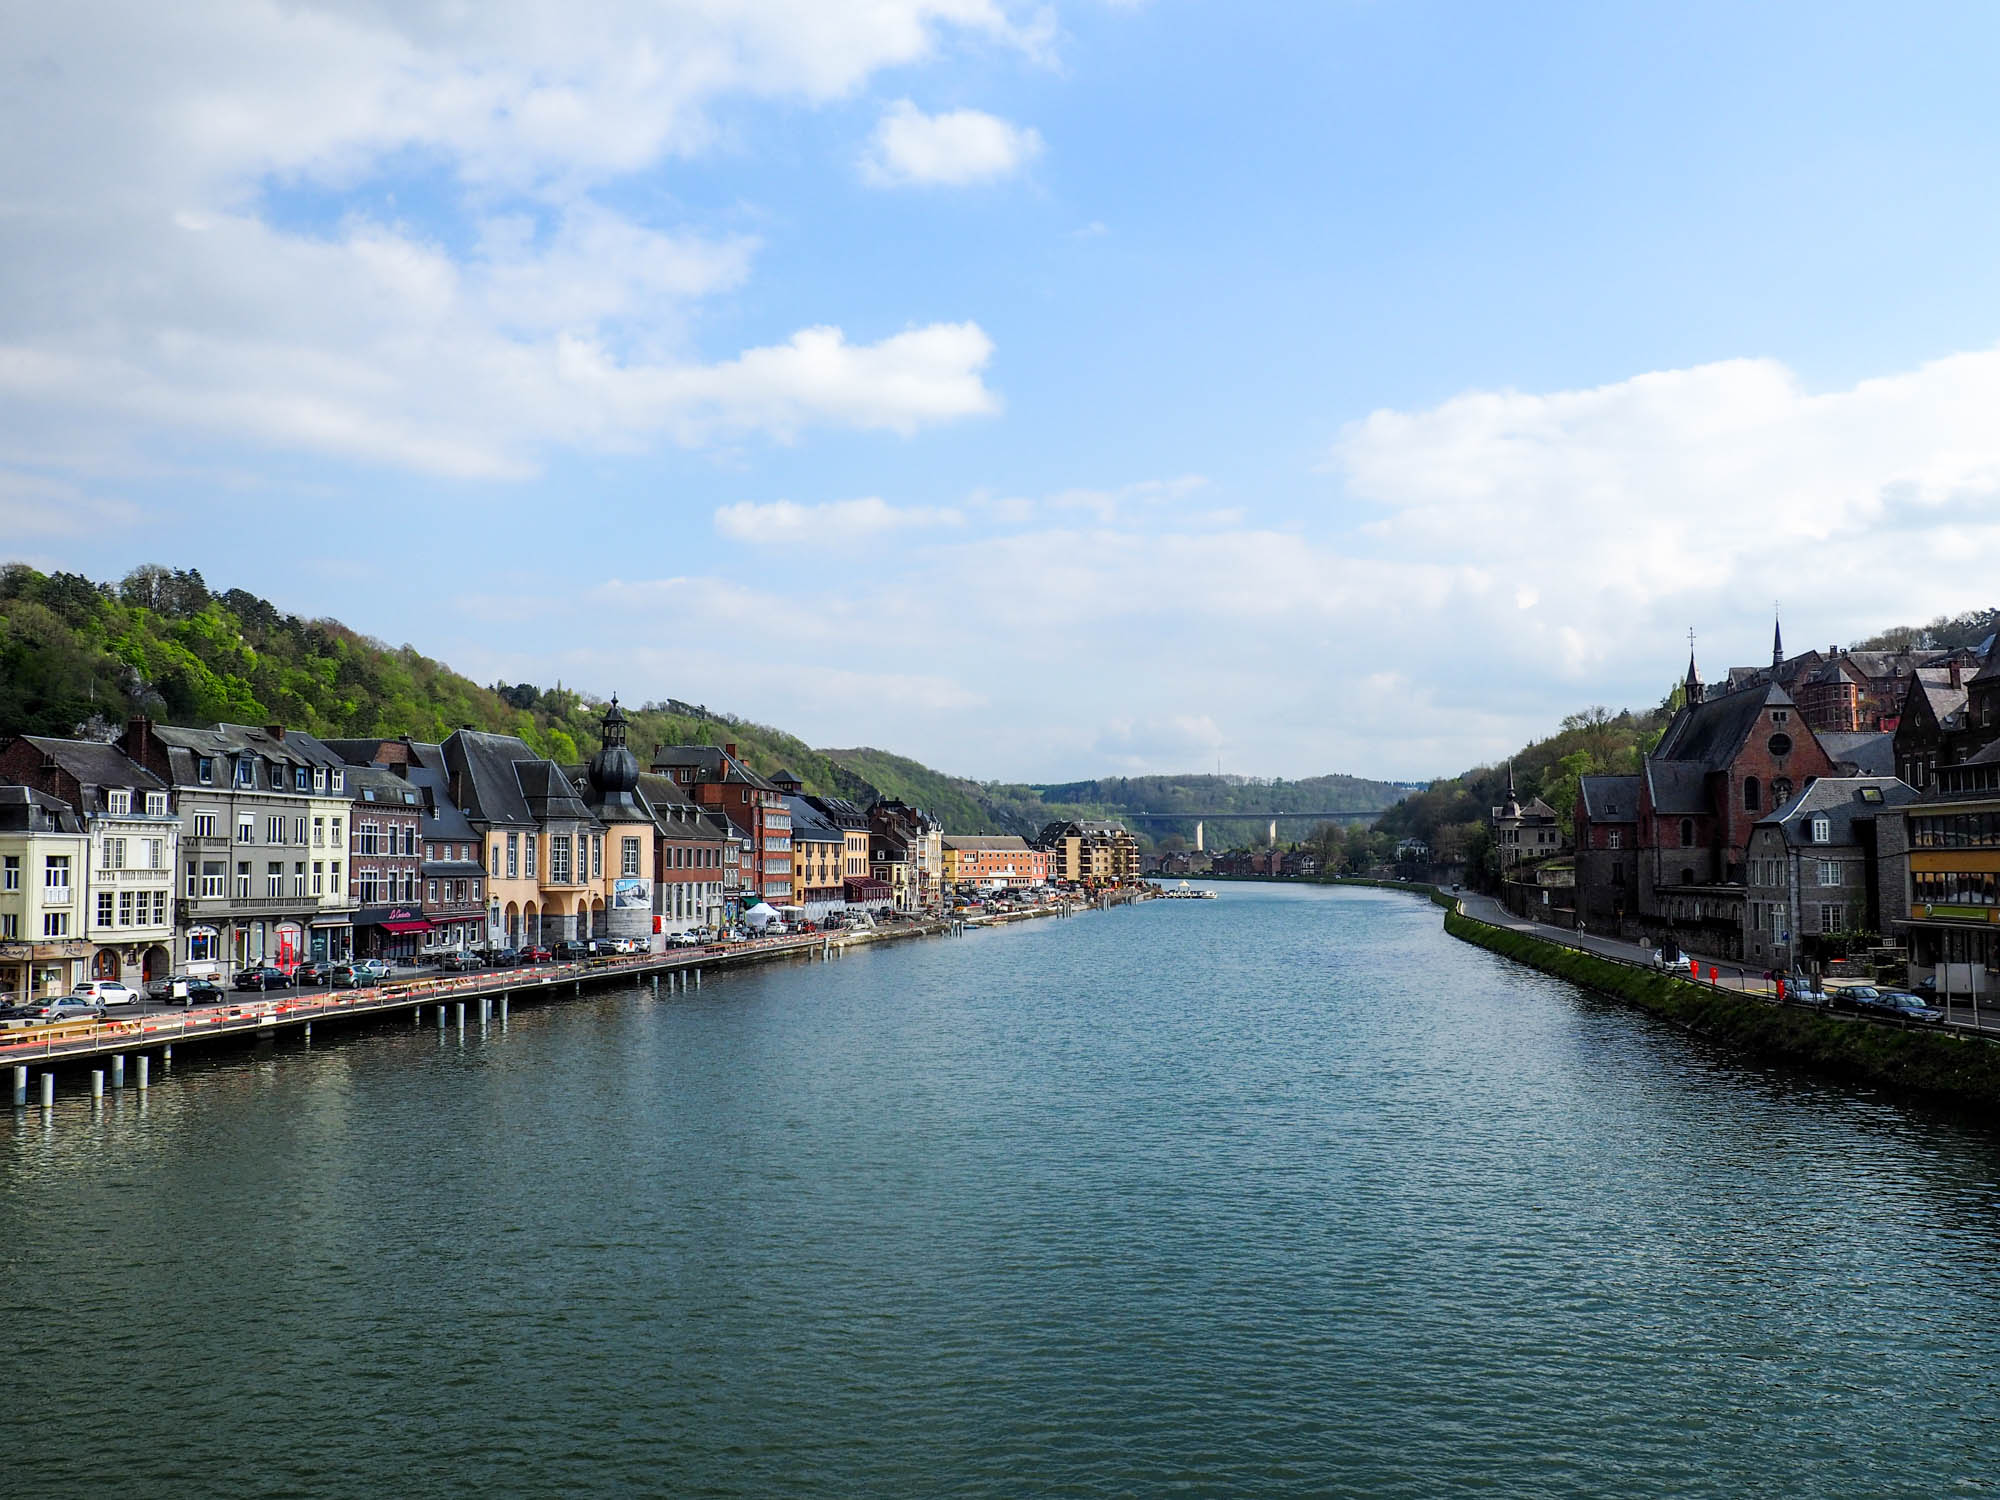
x: 614, y: 772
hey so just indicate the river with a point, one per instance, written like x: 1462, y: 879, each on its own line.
x: 1281, y: 1194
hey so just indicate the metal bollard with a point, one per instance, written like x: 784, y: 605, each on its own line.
x: 96, y: 1086
x: 118, y: 1070
x: 143, y: 1062
x: 20, y: 1088
x: 48, y: 1091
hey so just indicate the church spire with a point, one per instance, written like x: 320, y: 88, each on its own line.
x: 1777, y: 643
x: 1693, y: 683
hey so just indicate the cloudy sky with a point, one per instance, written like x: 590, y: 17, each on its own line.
x: 1037, y: 389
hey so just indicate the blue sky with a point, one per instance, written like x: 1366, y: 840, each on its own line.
x: 1038, y: 390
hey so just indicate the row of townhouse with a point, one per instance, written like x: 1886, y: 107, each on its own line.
x: 202, y: 850
x: 1751, y: 833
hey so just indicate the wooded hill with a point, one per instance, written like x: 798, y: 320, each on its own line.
x: 81, y: 657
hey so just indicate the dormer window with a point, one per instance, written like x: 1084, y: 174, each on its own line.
x: 301, y: 778
x: 246, y: 772
x: 319, y: 778
x: 204, y: 770
x: 118, y: 803
x: 156, y: 804
x: 337, y: 779
x: 1822, y: 830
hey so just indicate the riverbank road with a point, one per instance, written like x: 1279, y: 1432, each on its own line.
x: 1730, y: 973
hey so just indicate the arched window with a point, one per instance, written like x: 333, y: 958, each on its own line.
x: 1687, y: 833
x: 1781, y: 791
x: 1752, y: 794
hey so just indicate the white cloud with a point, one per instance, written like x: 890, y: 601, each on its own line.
x: 151, y: 288
x: 782, y: 522
x: 912, y: 149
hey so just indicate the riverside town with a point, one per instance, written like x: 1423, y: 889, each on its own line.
x: 262, y: 857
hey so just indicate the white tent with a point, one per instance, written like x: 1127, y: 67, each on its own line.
x: 761, y: 915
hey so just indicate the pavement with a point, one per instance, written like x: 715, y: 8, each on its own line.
x: 1731, y: 974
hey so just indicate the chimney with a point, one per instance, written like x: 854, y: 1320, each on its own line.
x: 730, y: 751
x: 276, y: 732
x: 1957, y: 672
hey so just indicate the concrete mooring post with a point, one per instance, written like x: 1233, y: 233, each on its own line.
x: 440, y: 1018
x: 96, y: 1087
x: 48, y: 1092
x: 461, y: 1015
x: 118, y: 1070
x: 144, y: 1064
x: 20, y: 1087
x: 167, y: 1055
x: 485, y: 1009
x: 309, y: 1033
x: 697, y: 979
x: 503, y: 1010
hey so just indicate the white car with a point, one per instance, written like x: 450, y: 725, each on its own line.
x: 106, y: 991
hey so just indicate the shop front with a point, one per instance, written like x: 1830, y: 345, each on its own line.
x: 393, y: 934
x: 331, y: 940
x: 41, y: 971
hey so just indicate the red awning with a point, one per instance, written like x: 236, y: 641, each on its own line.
x: 404, y: 929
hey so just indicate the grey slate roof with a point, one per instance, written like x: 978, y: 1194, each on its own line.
x: 710, y: 763
x: 1009, y: 843
x: 810, y: 825
x: 1867, y: 752
x: 25, y: 810
x: 97, y: 767
x: 1611, y: 799
x: 1677, y: 787
x: 1709, y: 733
x: 443, y: 819
x: 502, y: 781
x: 1840, y: 800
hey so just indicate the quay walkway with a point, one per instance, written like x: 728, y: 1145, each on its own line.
x: 72, y: 1046
x: 69, y: 1046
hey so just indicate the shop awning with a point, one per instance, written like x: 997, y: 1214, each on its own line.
x: 404, y: 929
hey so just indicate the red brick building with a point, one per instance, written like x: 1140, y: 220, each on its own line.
x: 1725, y: 761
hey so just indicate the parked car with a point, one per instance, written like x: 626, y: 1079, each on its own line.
x: 1910, y: 1007
x: 571, y: 949
x: 373, y: 970
x: 196, y: 990
x: 1852, y: 997
x: 12, y: 1016
x: 312, y: 972
x: 460, y: 960
x: 68, y: 1008
x: 501, y: 958
x: 685, y: 940
x: 345, y: 977
x: 106, y: 991
x: 535, y: 953
x: 263, y: 977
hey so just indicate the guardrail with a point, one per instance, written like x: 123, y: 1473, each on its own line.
x: 1689, y: 972
x: 64, y: 1039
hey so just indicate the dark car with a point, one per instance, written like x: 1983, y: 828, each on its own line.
x: 312, y: 972
x: 263, y: 977
x: 459, y: 960
x: 501, y: 958
x: 570, y: 949
x: 1853, y: 997
x: 1908, y: 1006
x: 535, y: 953
x: 195, y: 991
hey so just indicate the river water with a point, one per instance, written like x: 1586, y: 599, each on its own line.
x: 1281, y: 1194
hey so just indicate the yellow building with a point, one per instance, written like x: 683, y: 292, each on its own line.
x: 1090, y: 852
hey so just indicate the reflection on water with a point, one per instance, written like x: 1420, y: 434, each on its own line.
x: 1284, y: 1193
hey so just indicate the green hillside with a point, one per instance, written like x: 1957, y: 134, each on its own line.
x: 81, y: 657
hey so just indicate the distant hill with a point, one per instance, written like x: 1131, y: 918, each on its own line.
x: 81, y: 657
